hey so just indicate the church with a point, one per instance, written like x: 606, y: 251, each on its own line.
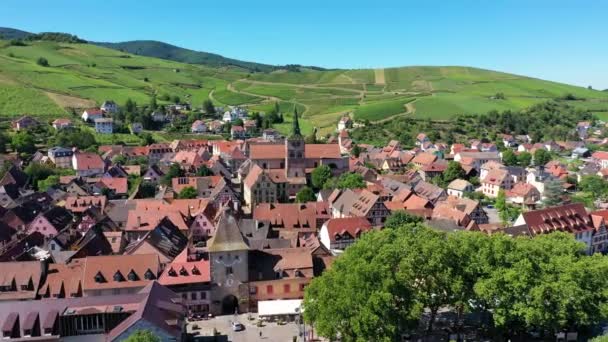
x: 279, y: 171
x: 296, y: 157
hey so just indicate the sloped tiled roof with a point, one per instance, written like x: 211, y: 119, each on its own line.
x: 227, y: 236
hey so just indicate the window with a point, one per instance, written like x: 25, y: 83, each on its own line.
x: 185, y: 296
x: 118, y: 276
x: 149, y: 275
x: 203, y: 295
x: 99, y: 278
x: 193, y: 295
x: 228, y: 270
x: 269, y: 289
x: 132, y: 276
x: 286, y: 288
x: 302, y: 287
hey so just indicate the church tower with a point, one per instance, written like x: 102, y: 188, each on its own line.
x: 295, y: 162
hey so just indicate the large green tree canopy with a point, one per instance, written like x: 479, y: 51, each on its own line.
x: 380, y: 286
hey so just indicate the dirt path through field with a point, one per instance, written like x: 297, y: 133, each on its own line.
x: 379, y: 74
x: 409, y: 109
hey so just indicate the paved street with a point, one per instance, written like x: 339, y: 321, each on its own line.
x: 271, y: 332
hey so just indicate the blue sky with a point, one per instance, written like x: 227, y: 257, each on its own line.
x: 558, y: 40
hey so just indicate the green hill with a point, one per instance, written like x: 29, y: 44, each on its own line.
x: 151, y: 48
x: 82, y: 75
x: 10, y: 33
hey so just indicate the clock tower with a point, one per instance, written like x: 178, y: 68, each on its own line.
x: 229, y: 267
x: 295, y: 161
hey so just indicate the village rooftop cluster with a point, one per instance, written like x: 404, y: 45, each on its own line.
x: 213, y: 227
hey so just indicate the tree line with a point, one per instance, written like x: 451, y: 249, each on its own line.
x: 383, y: 285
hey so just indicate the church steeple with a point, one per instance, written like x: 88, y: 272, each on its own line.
x: 295, y: 131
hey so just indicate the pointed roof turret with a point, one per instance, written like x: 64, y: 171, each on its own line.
x: 227, y: 236
x: 295, y: 131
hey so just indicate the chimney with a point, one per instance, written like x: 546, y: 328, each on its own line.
x: 138, y: 221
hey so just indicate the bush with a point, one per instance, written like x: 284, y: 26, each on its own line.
x: 42, y: 62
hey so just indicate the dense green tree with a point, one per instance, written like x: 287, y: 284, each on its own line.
x: 541, y: 157
x: 119, y: 159
x: 594, y: 185
x: 38, y: 172
x: 452, y: 172
x: 401, y: 218
x: 544, y: 283
x: 509, y: 158
x: 153, y: 104
x: 142, y: 336
x: 554, y: 191
x: 204, y: 171
x: 74, y: 137
x: 387, y: 279
x: 356, y: 151
x: 146, y: 190
x: 362, y: 297
x: 42, y: 62
x: 130, y: 106
x: 147, y: 139
x: 23, y: 142
x: 174, y: 171
x: 305, y: 195
x: 175, y: 99
x: 208, y: 107
x: 237, y: 122
x: 3, y: 141
x: 524, y: 159
x: 346, y: 181
x: 320, y: 175
x: 188, y: 193
x: 49, y: 182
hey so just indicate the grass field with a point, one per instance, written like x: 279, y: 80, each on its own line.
x: 81, y: 75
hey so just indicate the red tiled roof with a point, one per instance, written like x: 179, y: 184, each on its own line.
x: 570, y: 218
x: 88, y: 161
x: 108, y: 266
x: 351, y: 225
x: 424, y: 158
x: 119, y: 185
x: 182, y: 272
x: 80, y: 204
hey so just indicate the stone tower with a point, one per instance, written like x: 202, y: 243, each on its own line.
x: 229, y: 267
x: 295, y: 162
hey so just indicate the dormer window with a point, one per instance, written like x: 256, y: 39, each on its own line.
x: 99, y: 278
x: 195, y: 271
x: 132, y: 276
x: 149, y: 275
x: 183, y: 272
x: 118, y: 276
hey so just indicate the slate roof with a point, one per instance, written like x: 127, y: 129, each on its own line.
x: 227, y: 236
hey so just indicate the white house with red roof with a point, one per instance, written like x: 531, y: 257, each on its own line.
x: 91, y: 114
x: 198, y: 126
x: 339, y: 233
x: 87, y: 164
x: 62, y: 123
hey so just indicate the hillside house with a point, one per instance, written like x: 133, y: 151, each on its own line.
x: 24, y: 122
x: 62, y: 123
x: 198, y: 126
x: 339, y: 233
x: 109, y: 106
x: 104, y: 125
x: 345, y: 123
x: 89, y: 115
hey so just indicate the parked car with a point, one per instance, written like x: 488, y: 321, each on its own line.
x: 236, y: 326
